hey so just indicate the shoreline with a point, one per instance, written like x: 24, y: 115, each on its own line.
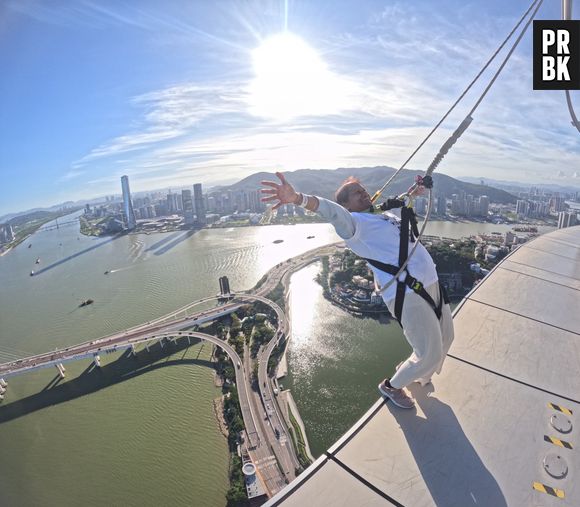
x: 296, y: 413
x: 226, y: 225
x: 218, y: 410
x: 12, y: 247
x: 4, y: 252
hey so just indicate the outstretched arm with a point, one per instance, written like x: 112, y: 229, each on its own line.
x: 338, y: 216
x: 286, y: 194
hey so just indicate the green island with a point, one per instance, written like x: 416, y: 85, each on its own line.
x: 348, y: 282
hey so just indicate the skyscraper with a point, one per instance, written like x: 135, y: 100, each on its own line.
x: 483, y: 205
x: 127, y: 204
x: 198, y: 203
x: 187, y: 206
x: 522, y: 207
x: 566, y: 219
x: 441, y: 205
x: 558, y: 203
x: 6, y: 233
x: 173, y: 202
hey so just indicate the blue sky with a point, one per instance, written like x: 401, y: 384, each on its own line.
x: 178, y: 92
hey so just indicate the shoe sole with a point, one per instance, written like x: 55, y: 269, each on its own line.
x: 387, y: 395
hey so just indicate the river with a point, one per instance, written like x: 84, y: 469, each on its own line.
x: 146, y: 435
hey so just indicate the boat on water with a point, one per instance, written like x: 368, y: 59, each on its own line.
x: 30, y: 244
x: 309, y: 237
x: 32, y: 273
x: 278, y: 241
x: 86, y: 302
x: 37, y: 260
x: 106, y: 272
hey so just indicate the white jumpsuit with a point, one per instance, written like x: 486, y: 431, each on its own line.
x: 376, y: 236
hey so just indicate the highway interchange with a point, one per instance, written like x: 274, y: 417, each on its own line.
x: 268, y: 444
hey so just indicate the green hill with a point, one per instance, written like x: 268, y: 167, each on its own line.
x: 324, y: 182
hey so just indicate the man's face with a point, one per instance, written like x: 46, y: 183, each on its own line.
x: 358, y: 198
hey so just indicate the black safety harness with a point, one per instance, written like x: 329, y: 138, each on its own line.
x: 409, y: 231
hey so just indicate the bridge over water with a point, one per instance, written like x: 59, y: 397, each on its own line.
x: 177, y: 325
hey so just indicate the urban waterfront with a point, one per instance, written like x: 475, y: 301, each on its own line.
x: 154, y: 436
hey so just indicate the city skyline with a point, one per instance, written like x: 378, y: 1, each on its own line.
x: 176, y: 194
x: 198, y: 93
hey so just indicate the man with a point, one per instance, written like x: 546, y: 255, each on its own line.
x: 376, y: 236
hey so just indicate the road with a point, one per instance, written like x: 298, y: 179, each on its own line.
x: 269, y: 443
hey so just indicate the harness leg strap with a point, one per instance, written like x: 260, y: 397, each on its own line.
x: 399, y: 301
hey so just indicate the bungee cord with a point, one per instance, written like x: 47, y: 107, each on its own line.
x: 456, y: 134
x: 567, y: 16
x: 469, y: 86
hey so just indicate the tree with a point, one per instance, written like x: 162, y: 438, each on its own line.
x: 236, y: 325
x: 230, y: 374
x: 236, y: 496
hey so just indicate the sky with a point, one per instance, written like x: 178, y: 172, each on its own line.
x: 192, y: 91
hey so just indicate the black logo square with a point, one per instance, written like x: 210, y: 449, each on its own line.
x: 556, y: 55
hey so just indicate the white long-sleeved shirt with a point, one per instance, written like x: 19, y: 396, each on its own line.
x: 377, y: 236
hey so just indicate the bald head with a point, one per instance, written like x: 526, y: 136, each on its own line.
x: 352, y: 195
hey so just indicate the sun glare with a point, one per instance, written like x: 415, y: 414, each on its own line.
x: 292, y: 80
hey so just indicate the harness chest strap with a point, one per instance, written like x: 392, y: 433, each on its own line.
x: 414, y: 284
x: 408, y: 228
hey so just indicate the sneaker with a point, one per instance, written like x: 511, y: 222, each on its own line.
x: 398, y: 396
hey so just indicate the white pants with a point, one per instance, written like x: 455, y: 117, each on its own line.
x: 429, y: 337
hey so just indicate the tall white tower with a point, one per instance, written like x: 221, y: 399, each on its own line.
x: 127, y: 204
x: 198, y: 203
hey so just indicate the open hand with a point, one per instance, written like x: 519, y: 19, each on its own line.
x: 283, y: 192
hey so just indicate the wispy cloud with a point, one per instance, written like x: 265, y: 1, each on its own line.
x: 127, y: 143
x: 80, y: 14
x: 391, y: 82
x: 71, y: 175
x: 168, y: 114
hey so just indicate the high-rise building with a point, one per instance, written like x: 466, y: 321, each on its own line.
x: 127, y: 204
x: 198, y: 203
x: 187, y: 203
x: 522, y: 207
x: 421, y: 205
x: 255, y: 204
x: 6, y: 233
x: 458, y: 204
x: 483, y: 205
x: 441, y: 205
x: 566, y: 219
x: 558, y: 203
x: 469, y: 205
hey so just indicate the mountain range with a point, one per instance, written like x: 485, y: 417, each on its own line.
x: 515, y: 186
x: 324, y: 182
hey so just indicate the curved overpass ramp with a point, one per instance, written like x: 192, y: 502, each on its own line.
x: 502, y: 427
